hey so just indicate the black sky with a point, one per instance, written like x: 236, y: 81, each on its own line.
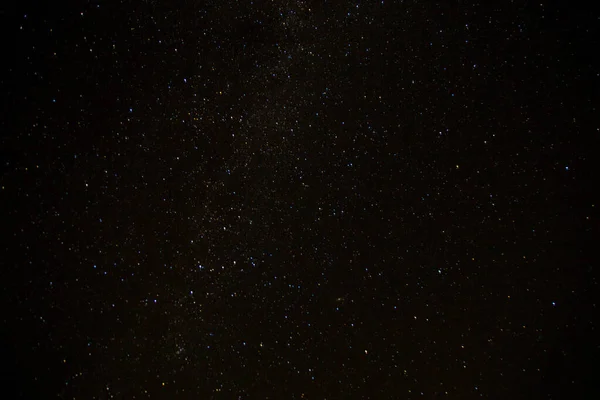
x: 299, y: 199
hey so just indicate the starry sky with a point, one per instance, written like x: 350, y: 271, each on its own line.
x: 298, y: 200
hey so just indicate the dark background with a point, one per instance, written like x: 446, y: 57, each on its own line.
x: 299, y: 199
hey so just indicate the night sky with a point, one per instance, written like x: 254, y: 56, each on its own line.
x: 299, y: 199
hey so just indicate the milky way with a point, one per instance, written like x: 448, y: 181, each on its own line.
x: 298, y: 199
